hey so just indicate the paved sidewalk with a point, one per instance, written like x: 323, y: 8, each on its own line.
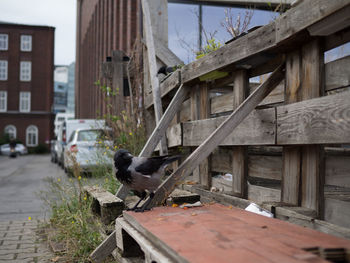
x: 19, y: 242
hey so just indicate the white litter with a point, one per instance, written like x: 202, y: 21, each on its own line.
x: 196, y: 204
x: 254, y: 208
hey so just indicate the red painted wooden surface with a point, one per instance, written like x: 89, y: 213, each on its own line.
x: 215, y: 233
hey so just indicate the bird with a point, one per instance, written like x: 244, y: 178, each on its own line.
x: 165, y: 70
x: 141, y: 174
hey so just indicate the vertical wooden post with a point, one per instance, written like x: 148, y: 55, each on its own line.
x: 194, y: 98
x: 312, y: 155
x: 204, y: 113
x: 239, y: 158
x: 292, y: 154
x: 157, y: 101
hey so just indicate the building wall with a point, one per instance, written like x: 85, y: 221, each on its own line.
x: 40, y: 86
x: 102, y: 26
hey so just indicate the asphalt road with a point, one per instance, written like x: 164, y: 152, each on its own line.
x: 21, y: 179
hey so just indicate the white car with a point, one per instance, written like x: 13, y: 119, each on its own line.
x: 20, y: 149
x: 86, y: 148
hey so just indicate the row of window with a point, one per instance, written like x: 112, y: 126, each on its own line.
x: 26, y: 42
x: 24, y: 101
x: 31, y: 134
x: 25, y: 70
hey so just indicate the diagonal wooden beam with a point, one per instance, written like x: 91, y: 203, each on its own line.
x: 159, y: 131
x: 217, y: 136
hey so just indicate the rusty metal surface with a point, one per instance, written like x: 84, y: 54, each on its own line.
x: 215, y: 233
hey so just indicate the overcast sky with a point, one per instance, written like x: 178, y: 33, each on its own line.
x: 60, y: 14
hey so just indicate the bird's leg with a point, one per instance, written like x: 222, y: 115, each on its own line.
x: 143, y: 196
x: 144, y: 207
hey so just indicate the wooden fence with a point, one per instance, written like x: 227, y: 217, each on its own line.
x: 292, y: 147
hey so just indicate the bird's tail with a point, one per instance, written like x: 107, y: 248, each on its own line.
x: 171, y: 159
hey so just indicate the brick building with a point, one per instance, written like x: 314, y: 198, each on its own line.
x: 26, y: 82
x: 102, y: 26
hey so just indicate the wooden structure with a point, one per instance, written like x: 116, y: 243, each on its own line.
x: 284, y: 151
x: 217, y: 233
x: 282, y: 141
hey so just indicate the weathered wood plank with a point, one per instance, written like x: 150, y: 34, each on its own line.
x: 337, y: 171
x: 257, y: 129
x: 323, y: 120
x: 218, y: 136
x: 312, y: 170
x: 266, y: 167
x: 337, y: 211
x: 239, y: 153
x: 337, y: 73
x: 158, y: 110
x: 291, y: 169
x: 104, y: 249
x: 174, y: 135
x: 261, y: 194
x: 304, y: 15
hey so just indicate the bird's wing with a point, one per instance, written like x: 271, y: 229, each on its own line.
x: 149, y: 166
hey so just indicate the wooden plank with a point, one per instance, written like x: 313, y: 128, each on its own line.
x: 166, y: 55
x: 323, y: 120
x: 304, y: 15
x: 261, y: 194
x: 337, y: 211
x: 291, y: 169
x: 239, y: 153
x: 117, y: 81
x: 257, y: 129
x: 158, y: 110
x: 267, y: 37
x: 312, y: 170
x: 266, y: 167
x: 204, y: 113
x: 194, y: 115
x: 104, y: 249
x: 337, y: 171
x: 170, y: 83
x: 174, y: 135
x: 218, y: 136
x: 337, y: 73
x: 185, y: 112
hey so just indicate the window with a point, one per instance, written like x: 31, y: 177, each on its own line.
x: 4, y: 41
x: 32, y: 136
x: 11, y: 131
x: 24, y: 101
x: 26, y: 43
x: 26, y: 71
x: 3, y: 69
x: 3, y: 101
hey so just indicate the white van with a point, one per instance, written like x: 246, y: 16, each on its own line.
x: 66, y: 130
x: 60, y: 118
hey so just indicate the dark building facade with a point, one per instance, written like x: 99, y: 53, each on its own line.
x: 102, y: 26
x: 26, y: 82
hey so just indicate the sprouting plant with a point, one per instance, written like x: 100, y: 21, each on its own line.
x: 236, y: 25
x: 211, y: 45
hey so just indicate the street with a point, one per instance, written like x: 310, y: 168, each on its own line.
x: 20, y: 179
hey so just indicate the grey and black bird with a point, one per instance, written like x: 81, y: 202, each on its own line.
x: 141, y: 174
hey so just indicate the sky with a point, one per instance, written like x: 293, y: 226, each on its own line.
x: 182, y: 25
x: 60, y: 14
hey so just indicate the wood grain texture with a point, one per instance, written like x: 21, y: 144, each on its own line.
x: 337, y: 171
x: 261, y: 194
x: 337, y: 73
x: 257, y: 129
x: 152, y: 63
x: 291, y: 160
x: 323, y: 120
x: 218, y: 135
x: 266, y: 167
x: 174, y: 135
x: 104, y: 249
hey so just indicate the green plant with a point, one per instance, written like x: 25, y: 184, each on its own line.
x: 211, y: 46
x: 41, y: 149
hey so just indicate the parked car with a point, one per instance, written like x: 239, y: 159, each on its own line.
x: 53, y: 151
x: 86, y: 148
x: 19, y: 150
x: 65, y: 130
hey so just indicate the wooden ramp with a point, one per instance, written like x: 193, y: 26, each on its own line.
x: 217, y: 233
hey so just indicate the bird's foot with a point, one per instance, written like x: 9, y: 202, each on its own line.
x: 141, y: 209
